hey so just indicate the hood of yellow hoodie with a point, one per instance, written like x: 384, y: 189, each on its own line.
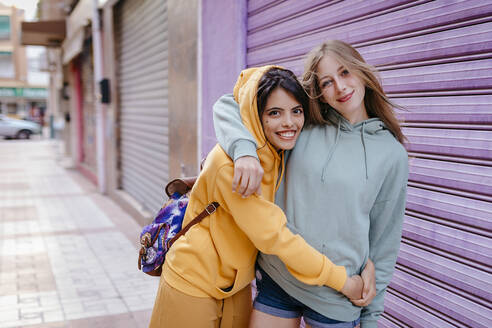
x: 245, y: 95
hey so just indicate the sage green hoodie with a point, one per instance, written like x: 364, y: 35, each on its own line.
x: 344, y: 191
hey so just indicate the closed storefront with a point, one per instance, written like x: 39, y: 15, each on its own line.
x: 141, y: 45
x: 434, y: 58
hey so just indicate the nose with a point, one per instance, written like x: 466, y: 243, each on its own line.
x: 340, y: 85
x: 287, y: 121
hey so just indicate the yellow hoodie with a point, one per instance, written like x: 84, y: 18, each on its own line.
x: 219, y: 253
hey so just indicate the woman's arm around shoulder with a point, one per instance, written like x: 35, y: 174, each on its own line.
x: 265, y: 225
x: 230, y: 131
x: 239, y: 145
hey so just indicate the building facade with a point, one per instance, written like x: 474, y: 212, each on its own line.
x: 150, y: 59
x: 141, y: 87
x: 18, y: 98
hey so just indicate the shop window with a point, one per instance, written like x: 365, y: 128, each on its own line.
x: 7, y: 69
x: 4, y: 27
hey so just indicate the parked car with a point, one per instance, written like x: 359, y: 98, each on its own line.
x: 20, y: 129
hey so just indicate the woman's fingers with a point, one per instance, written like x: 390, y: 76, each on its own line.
x: 369, y: 277
x: 243, y: 185
x: 360, y: 303
x: 247, y: 176
x: 235, y: 179
x: 369, y: 289
x: 366, y: 300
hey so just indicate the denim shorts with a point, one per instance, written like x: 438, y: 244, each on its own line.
x: 273, y: 300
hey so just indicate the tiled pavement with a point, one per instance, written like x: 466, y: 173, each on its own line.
x: 67, y: 254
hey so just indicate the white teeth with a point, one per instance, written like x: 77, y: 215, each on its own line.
x: 288, y: 134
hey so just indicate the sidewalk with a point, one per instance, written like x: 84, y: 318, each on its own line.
x: 68, y: 255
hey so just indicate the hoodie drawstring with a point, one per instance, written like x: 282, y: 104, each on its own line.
x: 330, y: 154
x: 282, y: 159
x: 332, y: 150
x: 364, y: 146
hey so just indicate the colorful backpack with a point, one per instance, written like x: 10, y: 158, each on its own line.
x: 157, y: 237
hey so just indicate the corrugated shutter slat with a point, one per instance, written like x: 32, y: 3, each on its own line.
x: 467, y: 279
x: 142, y: 53
x: 426, y: 16
x: 442, y: 300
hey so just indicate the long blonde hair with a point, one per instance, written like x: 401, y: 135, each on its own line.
x: 376, y: 101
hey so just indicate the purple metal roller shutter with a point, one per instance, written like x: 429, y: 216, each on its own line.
x: 435, y: 59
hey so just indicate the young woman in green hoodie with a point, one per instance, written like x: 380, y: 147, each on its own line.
x: 344, y: 189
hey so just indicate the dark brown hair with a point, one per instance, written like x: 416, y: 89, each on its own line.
x: 277, y: 77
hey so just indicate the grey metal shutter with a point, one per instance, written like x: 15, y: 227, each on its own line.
x: 142, y: 54
x: 435, y: 58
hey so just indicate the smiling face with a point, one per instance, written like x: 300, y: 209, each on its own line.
x: 342, y: 89
x: 282, y: 119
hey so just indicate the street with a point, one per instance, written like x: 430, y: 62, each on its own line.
x: 68, y: 255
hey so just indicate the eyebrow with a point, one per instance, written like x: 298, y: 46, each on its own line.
x: 279, y: 108
x: 338, y: 70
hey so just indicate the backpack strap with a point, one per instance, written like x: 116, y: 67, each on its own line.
x: 206, y: 212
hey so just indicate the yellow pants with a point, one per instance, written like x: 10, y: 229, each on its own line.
x: 174, y: 309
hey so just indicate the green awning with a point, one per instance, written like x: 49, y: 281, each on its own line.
x: 29, y: 93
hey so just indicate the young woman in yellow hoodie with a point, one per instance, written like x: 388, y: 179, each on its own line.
x: 206, y: 277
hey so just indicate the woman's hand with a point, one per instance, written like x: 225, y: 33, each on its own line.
x: 352, y: 288
x: 369, y: 292
x: 247, y: 176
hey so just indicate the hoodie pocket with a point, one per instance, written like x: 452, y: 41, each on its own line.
x: 242, y: 279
